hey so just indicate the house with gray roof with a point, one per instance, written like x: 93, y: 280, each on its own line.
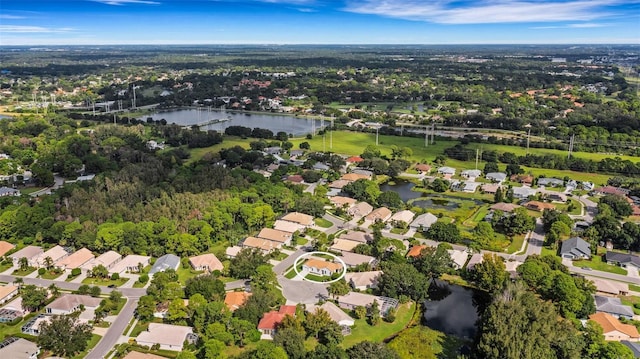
x: 424, y: 221
x: 18, y: 348
x: 550, y: 182
x: 523, y: 192
x: 165, y: 262
x: 447, y: 171
x: 634, y: 346
x: 6, y: 191
x: 575, y: 248
x: 470, y: 173
x: 498, y: 177
x: 613, y: 306
x: 622, y: 259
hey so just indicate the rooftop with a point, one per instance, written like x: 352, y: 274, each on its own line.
x: 130, y: 261
x: 274, y: 235
x: 322, y: 264
x: 415, y: 251
x: 27, y: 252
x: 287, y: 226
x: 208, y: 260
x: 6, y: 290
x: 69, y: 302
x: 362, y: 279
x: 300, y: 218
x: 609, y: 324
x: 357, y: 236
x: 166, y: 334
x: 17, y: 348
x: 344, y: 244
x: 403, y: 216
x: 75, y: 259
x: 106, y: 259
x: 5, y: 247
x: 354, y: 259
x: 234, y: 300
x: 264, y: 244
x: 335, y: 313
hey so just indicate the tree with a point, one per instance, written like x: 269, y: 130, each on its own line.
x: 370, y: 350
x: 64, y: 336
x: 304, y: 145
x: 48, y: 262
x: 443, y: 232
x: 292, y: 340
x: 208, y: 285
x: 33, y: 298
x: 491, y: 274
x: 177, y: 311
x: 327, y: 352
x: 618, y: 204
x: 374, y: 313
x: 146, y: 308
x: 23, y: 264
x: 403, y: 279
x: 360, y: 312
x: 264, y: 350
x: 518, y: 223
x: 315, y: 322
x: 244, y: 264
x: 514, y: 169
x: 499, y: 196
x: 213, y: 349
x: 339, y: 288
x: 390, y: 199
x: 490, y: 167
x: 416, y: 342
x: 100, y: 271
x: 434, y: 261
x: 439, y: 185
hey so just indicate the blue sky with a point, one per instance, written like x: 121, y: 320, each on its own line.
x: 86, y: 22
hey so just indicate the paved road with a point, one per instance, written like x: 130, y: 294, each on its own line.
x: 338, y: 224
x: 236, y: 284
x: 605, y: 275
x: 109, y: 340
x: 281, y: 267
x: 536, y: 241
x: 302, y: 291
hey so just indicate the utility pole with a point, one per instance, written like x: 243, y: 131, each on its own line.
x: 426, y: 136
x: 134, y: 96
x: 573, y: 137
x: 377, y: 129
x: 477, y: 158
x: 331, y: 135
x: 433, y: 133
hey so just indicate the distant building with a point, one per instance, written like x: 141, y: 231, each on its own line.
x: 539, y: 206
x: 423, y: 221
x: 523, y: 192
x: 550, y: 182
x: 622, y: 259
x: 504, y: 207
x: 336, y: 314
x: 6, y: 191
x: 471, y: 173
x: 447, y: 171
x: 270, y: 321
x: 280, y: 237
x: 357, y: 236
x: 235, y: 300
x: 613, y: 329
x: 299, y: 218
x: 381, y: 214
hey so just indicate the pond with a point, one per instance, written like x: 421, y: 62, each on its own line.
x: 290, y: 124
x: 403, y: 188
x: 452, y: 309
x: 443, y: 202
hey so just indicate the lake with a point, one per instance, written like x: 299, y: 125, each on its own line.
x: 403, y: 188
x: 452, y: 309
x: 296, y: 126
x: 441, y: 201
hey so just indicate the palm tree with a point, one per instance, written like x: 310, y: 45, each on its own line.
x: 54, y: 290
x: 18, y: 282
x: 48, y: 262
x: 23, y: 263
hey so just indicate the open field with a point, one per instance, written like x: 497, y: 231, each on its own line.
x: 521, y: 151
x: 363, y: 331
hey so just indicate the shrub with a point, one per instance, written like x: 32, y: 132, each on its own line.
x: 115, y: 276
x: 41, y: 271
x: 76, y: 272
x: 144, y: 278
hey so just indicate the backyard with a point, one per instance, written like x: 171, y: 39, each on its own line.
x: 362, y: 330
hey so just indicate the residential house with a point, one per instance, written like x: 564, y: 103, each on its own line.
x: 321, y: 267
x: 405, y: 217
x: 342, y: 202
x: 266, y: 246
x: 352, y: 177
x: 32, y: 327
x: 343, y: 245
x: 575, y: 248
x: 613, y: 306
x: 623, y: 192
x: 588, y: 185
x: 497, y: 177
x: 352, y: 300
x: 354, y: 159
x: 353, y: 260
x: 471, y: 173
x: 168, y: 337
x: 29, y: 252
x: 295, y: 179
x: 75, y: 259
x: 524, y: 179
x: 381, y: 214
x: 270, y: 321
x: 609, y: 287
x: 415, y: 251
x: 490, y: 188
x: 275, y: 150
x: 362, y: 172
x: 5, y: 247
x: 556, y: 196
x: 206, y: 262
x: 232, y: 252
x: 613, y: 329
x: 132, y: 263
x: 504, y: 207
x: 18, y: 348
x: 357, y: 236
x: 106, y: 259
x: 138, y: 355
x: 447, y: 171
x: 360, y: 209
x: 296, y: 153
x: 235, y: 300
x: 69, y: 303
x: 622, y: 259
x: 633, y: 346
x: 289, y: 227
x: 476, y: 258
x: 335, y: 313
x: 458, y: 257
x: 467, y: 186
x: 167, y: 261
x: 7, y: 191
x: 274, y: 235
x: 7, y: 292
x: 523, y: 192
x: 363, y: 280
x: 338, y: 184
x: 319, y: 166
x: 550, y: 182
x: 423, y: 168
x: 539, y: 206
x: 299, y: 218
x: 54, y: 254
x: 423, y: 221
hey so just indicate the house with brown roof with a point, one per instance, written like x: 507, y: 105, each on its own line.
x: 138, y: 355
x: 524, y: 179
x: 106, y: 259
x: 69, y: 303
x: 611, y: 190
x: 206, y: 262
x: 264, y: 245
x: 405, y: 217
x: 270, y: 321
x: 29, y: 252
x: 5, y: 247
x: 352, y: 177
x: 342, y: 202
x: 354, y: 159
x: 613, y: 329
x: 343, y: 245
x: 274, y: 235
x: 295, y: 179
x: 360, y: 209
x: 363, y: 280
x: 490, y: 188
x: 422, y: 167
x: 235, y: 300
x: 75, y: 259
x: 289, y: 227
x: 54, y: 254
x: 321, y: 267
x: 539, y: 206
x: 339, y: 184
x: 168, y: 337
x: 504, y: 207
x: 415, y: 251
x: 381, y: 214
x: 7, y: 292
x: 357, y: 236
x: 299, y: 218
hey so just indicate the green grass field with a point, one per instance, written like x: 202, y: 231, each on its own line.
x: 597, y: 264
x: 321, y: 222
x: 363, y: 331
x: 105, y: 282
x: 521, y: 151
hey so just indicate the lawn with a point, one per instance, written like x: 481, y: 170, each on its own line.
x: 546, y: 251
x: 596, y: 263
x: 516, y: 244
x: 630, y: 300
x: 362, y: 331
x: 228, y: 142
x: 635, y: 288
x: 5, y: 266
x: 7, y: 330
x: 185, y: 274
x: 105, y: 282
x: 51, y: 275
x: 321, y: 222
x: 95, y: 338
x: 521, y: 151
x: 27, y: 271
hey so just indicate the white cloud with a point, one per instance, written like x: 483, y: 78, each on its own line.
x: 585, y: 25
x: 11, y: 17
x: 32, y: 29
x: 493, y: 11
x: 124, y: 2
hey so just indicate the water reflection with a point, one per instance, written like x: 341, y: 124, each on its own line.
x: 452, y: 309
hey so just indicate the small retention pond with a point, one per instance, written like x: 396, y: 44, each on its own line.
x: 403, y: 188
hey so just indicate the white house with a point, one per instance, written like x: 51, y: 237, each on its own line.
x: 335, y: 313
x: 168, y: 337
x: 447, y: 171
x: 470, y: 173
x: 498, y: 177
x: 321, y: 267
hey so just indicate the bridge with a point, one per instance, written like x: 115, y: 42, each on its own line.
x: 209, y: 122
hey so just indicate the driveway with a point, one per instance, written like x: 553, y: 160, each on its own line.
x: 632, y: 272
x: 302, y: 291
